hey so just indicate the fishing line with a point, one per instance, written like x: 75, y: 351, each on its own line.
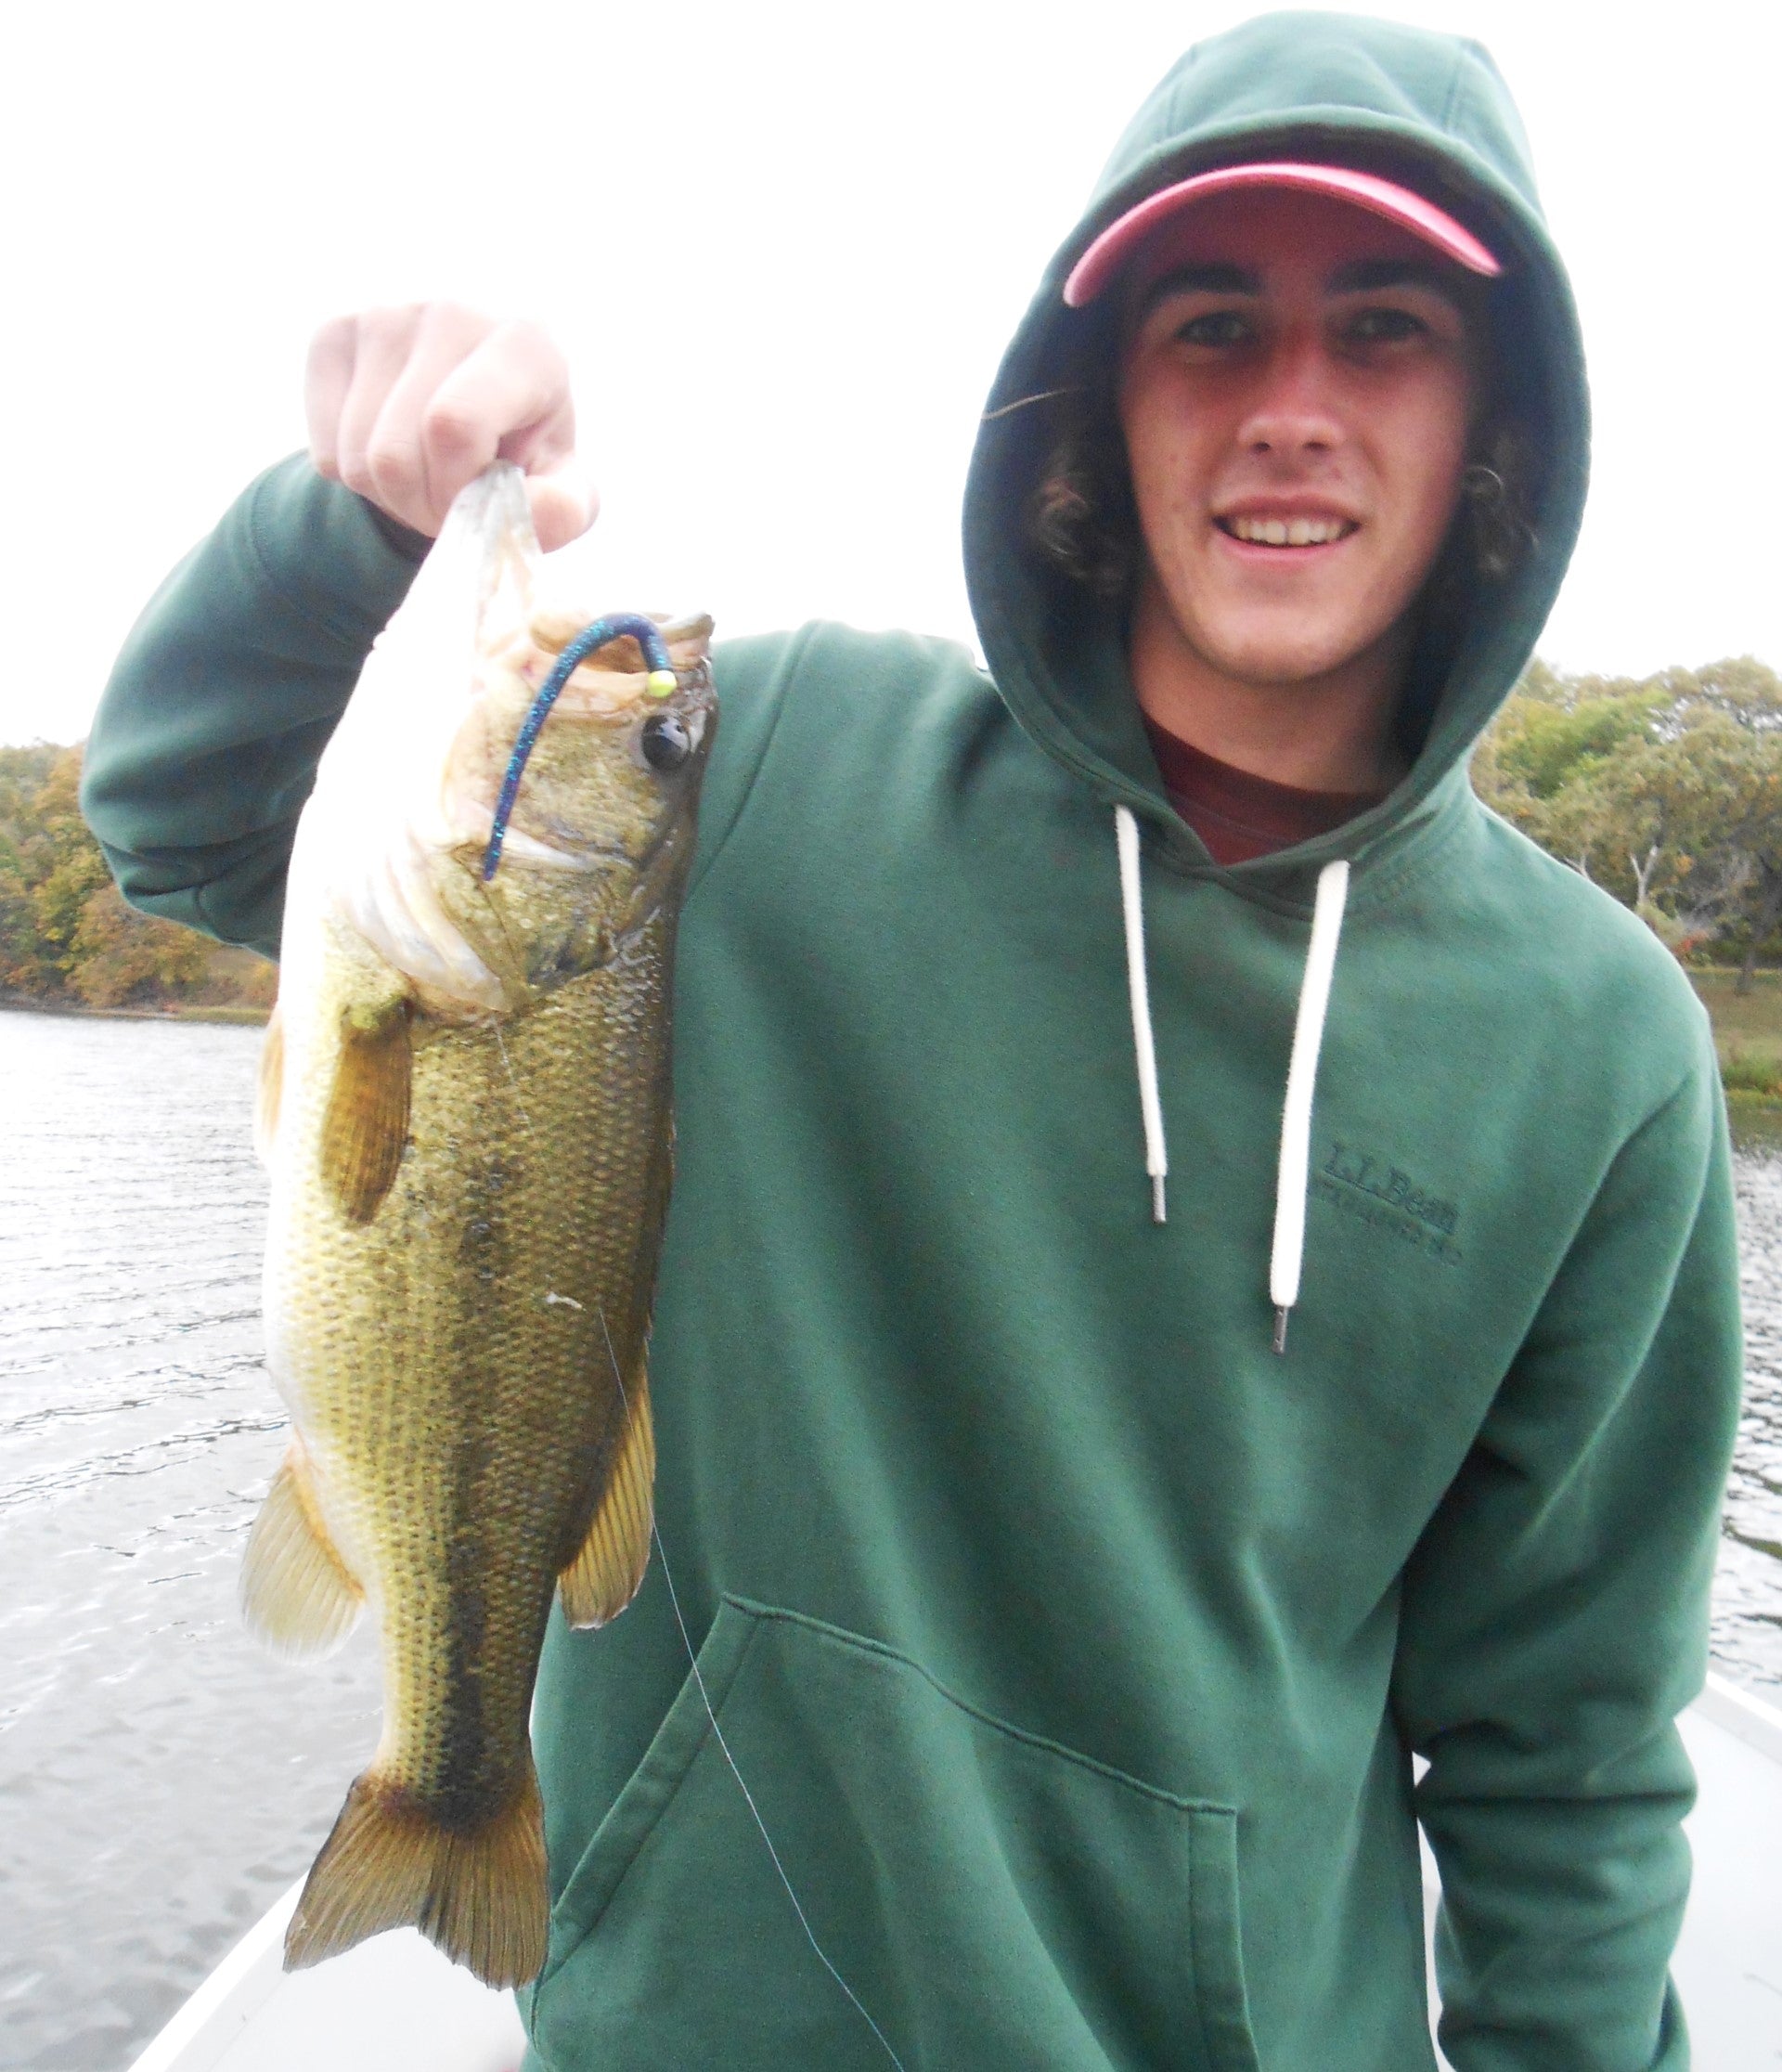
x: 687, y: 1642
x: 514, y: 1084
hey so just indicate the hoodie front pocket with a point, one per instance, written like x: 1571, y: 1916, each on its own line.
x: 994, y: 1900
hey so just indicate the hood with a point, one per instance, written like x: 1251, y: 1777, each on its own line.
x: 1431, y: 111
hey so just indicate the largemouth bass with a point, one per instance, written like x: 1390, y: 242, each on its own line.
x: 465, y: 1111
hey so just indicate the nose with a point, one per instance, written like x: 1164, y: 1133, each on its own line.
x: 1293, y: 415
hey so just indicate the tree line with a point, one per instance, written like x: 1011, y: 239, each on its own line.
x: 1666, y: 790
x: 67, y: 938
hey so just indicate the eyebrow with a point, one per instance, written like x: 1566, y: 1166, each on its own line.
x: 1364, y: 276
x: 1212, y: 278
x: 1359, y: 277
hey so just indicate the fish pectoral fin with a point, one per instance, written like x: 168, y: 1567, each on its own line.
x: 366, y: 1123
x: 272, y: 1079
x: 604, y: 1577
x: 297, y: 1594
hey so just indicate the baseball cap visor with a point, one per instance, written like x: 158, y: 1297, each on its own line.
x: 1411, y: 212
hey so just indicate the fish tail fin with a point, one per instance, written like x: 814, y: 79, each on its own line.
x: 481, y: 1895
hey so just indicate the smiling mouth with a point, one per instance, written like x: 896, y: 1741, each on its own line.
x: 1287, y: 532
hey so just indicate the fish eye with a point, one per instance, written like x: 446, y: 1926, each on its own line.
x: 666, y: 740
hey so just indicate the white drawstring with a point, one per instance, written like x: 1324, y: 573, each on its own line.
x: 1295, y: 1172
x: 1295, y: 1118
x: 1156, y: 1160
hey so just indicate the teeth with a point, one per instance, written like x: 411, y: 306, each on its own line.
x: 1288, y: 532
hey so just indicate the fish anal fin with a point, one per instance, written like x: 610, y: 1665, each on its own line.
x: 480, y: 1892
x: 297, y: 1594
x: 605, y: 1576
x: 272, y: 1079
x: 366, y: 1123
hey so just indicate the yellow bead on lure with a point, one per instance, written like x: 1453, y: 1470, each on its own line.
x: 465, y: 1111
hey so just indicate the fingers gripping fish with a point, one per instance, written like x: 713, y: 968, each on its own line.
x: 465, y: 1111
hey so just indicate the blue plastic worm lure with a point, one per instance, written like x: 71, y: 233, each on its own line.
x: 660, y: 683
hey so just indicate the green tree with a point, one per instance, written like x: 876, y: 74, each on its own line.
x: 1548, y: 736
x: 1668, y: 791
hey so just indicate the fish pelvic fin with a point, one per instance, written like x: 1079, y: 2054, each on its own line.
x: 606, y: 1574
x: 297, y: 1594
x: 366, y: 1123
x: 272, y: 1081
x: 480, y: 1894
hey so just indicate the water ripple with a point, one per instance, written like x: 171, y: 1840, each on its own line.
x: 161, y: 1779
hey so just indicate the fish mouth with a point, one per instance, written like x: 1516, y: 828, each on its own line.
x: 553, y: 627
x: 613, y: 680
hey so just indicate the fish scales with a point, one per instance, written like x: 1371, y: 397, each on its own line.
x: 473, y: 1219
x: 466, y: 1107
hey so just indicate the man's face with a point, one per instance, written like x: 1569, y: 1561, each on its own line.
x: 1297, y: 389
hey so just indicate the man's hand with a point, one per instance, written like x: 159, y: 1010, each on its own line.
x: 406, y: 405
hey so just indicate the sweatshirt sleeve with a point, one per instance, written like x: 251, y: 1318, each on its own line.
x: 220, y: 705
x: 1556, y: 1622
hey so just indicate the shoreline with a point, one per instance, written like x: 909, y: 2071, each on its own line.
x: 1754, y: 1120
x: 1754, y: 1115
x: 185, y: 1011
x: 1748, y: 1042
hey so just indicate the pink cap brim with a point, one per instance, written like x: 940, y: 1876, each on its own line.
x: 1381, y: 198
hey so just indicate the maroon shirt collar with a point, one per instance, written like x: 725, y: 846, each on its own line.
x: 1239, y: 816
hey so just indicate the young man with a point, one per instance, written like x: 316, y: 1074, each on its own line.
x: 1085, y: 1489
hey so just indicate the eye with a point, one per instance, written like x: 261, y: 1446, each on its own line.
x: 1385, y: 326
x: 1216, y: 329
x: 666, y: 740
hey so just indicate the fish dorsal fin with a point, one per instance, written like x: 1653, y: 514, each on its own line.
x: 603, y: 1578
x: 272, y: 1079
x: 366, y: 1123
x: 297, y: 1594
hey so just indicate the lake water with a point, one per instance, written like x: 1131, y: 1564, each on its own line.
x: 161, y: 1779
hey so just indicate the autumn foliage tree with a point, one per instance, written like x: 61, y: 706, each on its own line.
x: 67, y: 936
x: 1666, y: 790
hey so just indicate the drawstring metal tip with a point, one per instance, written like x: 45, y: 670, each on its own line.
x: 1157, y: 1214
x: 1279, y: 1342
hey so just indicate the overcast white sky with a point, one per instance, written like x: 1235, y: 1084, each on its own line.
x: 783, y: 245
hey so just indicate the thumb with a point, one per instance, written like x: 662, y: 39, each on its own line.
x: 565, y: 504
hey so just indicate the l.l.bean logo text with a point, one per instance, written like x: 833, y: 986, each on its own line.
x: 1384, y: 1196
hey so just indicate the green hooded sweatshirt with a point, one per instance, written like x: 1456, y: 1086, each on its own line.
x: 1075, y: 1646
